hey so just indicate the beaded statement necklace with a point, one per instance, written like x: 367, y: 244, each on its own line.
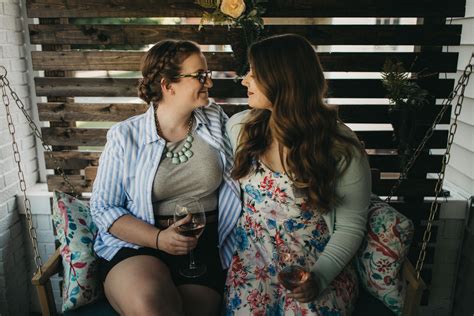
x: 185, y: 153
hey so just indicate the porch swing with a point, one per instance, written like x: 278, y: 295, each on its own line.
x: 410, y: 274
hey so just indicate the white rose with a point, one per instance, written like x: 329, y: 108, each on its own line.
x: 233, y: 8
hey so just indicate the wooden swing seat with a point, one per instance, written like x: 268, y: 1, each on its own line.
x: 366, y: 304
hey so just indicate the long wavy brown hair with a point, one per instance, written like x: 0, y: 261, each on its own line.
x: 317, y: 144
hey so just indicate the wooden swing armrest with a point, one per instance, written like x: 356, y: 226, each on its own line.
x: 414, y: 290
x: 41, y: 280
x: 50, y: 268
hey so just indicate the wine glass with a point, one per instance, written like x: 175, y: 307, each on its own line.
x: 192, y: 228
x: 292, y: 270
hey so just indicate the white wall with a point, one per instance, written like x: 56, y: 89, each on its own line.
x: 460, y: 172
x: 14, y: 265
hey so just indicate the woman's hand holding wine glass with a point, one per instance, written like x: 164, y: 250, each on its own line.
x: 193, y: 213
x: 173, y: 242
x: 296, y: 277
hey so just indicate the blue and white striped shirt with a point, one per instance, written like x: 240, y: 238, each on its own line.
x: 127, y: 168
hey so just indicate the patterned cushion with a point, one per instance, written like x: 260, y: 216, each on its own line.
x: 381, y: 255
x: 76, y: 232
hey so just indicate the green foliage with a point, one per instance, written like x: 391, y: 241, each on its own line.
x: 401, y: 91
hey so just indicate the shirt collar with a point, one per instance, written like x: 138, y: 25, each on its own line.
x: 150, y: 127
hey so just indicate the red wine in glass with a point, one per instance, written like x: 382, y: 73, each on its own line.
x: 293, y: 276
x: 193, y: 228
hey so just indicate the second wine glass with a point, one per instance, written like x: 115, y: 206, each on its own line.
x: 291, y: 273
x: 192, y: 228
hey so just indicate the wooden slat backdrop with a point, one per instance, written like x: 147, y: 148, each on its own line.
x: 275, y: 8
x: 354, y: 113
x: 217, y: 35
x: 383, y: 162
x: 95, y: 47
x: 222, y: 88
x: 220, y: 61
x: 61, y: 136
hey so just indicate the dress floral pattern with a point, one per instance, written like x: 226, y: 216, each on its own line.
x: 276, y: 218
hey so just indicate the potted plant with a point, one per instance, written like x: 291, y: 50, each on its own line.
x: 406, y: 98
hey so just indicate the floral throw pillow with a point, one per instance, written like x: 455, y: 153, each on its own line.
x: 76, y: 233
x: 382, y: 253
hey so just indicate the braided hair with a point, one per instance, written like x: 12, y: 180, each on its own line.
x: 163, y: 61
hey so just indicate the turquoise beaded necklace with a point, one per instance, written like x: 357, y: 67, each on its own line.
x: 185, y: 153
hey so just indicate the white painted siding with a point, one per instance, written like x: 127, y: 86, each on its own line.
x: 460, y: 171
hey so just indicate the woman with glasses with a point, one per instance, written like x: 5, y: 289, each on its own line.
x: 306, y: 187
x: 176, y: 150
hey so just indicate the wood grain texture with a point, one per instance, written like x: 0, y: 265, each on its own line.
x: 317, y: 34
x: 220, y: 61
x: 223, y: 88
x: 349, y: 113
x: 58, y: 136
x: 275, y: 8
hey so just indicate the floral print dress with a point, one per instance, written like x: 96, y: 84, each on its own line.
x: 274, y: 219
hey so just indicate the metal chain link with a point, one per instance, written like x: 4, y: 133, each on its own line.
x: 463, y: 80
x: 5, y: 87
x: 461, y: 84
x: 4, y: 83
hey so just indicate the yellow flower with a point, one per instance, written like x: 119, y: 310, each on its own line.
x: 233, y: 8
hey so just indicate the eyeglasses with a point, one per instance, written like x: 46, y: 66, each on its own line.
x: 201, y: 75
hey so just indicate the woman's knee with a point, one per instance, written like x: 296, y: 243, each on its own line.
x: 163, y: 303
x: 142, y: 286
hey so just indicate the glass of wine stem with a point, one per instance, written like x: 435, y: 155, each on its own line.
x: 192, y: 228
x: 292, y: 272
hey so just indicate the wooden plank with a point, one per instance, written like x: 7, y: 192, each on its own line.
x: 349, y: 113
x: 423, y: 187
x: 378, y: 113
x: 391, y: 163
x: 57, y: 111
x: 300, y: 8
x: 385, y: 163
x: 79, y: 183
x: 223, y: 88
x: 130, y: 61
x: 97, y: 137
x: 74, y: 136
x: 104, y: 111
x: 72, y: 159
x: 90, y: 173
x: 317, y: 34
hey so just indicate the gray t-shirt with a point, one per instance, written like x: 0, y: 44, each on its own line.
x: 199, y: 177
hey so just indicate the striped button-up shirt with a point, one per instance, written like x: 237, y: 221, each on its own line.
x: 127, y: 168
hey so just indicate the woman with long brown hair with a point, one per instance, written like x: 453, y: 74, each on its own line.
x: 305, y: 182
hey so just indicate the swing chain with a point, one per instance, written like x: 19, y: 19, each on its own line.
x: 59, y: 170
x: 462, y: 83
x: 5, y: 87
x: 4, y: 84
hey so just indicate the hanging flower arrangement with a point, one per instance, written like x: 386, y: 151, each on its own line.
x: 244, y: 15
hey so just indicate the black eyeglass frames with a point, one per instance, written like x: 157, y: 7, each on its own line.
x: 201, y: 75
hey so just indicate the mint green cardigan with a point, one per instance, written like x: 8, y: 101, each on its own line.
x: 347, y: 222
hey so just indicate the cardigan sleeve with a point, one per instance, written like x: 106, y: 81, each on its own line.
x: 234, y: 126
x: 350, y: 221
